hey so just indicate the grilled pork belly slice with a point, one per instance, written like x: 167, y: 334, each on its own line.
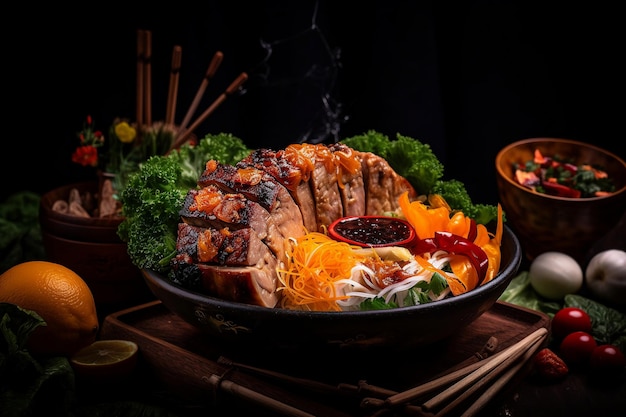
x: 254, y: 285
x: 209, y: 207
x: 323, y: 181
x: 258, y: 186
x: 383, y: 186
x: 290, y: 175
x: 223, y: 246
x: 351, y: 187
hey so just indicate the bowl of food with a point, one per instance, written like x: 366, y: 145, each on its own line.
x: 244, y: 325
x: 559, y: 194
x: 255, y: 265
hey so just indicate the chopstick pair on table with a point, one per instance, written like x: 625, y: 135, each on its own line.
x: 144, y: 89
x: 485, y: 376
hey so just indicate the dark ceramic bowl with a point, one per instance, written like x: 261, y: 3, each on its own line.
x: 248, y: 326
x: 549, y: 223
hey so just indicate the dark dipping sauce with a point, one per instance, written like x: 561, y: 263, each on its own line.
x: 373, y: 231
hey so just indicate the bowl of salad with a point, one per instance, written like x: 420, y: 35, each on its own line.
x: 560, y: 194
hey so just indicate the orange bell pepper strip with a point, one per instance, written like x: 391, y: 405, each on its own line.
x: 465, y: 271
x: 492, y: 248
x: 425, y: 221
x: 538, y: 157
x: 459, y: 224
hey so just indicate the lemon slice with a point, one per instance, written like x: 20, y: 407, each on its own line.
x: 106, y: 358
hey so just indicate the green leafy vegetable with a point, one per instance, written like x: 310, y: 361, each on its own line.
x: 377, y: 303
x: 29, y: 386
x: 417, y: 162
x: 20, y: 233
x: 154, y: 195
x: 520, y: 292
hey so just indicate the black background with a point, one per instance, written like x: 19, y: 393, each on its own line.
x: 467, y: 77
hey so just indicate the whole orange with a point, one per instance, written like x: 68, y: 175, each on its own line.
x: 61, y: 297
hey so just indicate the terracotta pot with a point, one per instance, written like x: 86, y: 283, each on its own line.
x: 92, y: 249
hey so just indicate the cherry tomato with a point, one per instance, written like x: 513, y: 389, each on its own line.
x: 607, y: 359
x: 576, y: 347
x: 568, y: 320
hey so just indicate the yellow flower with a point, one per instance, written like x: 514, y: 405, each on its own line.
x: 125, y: 132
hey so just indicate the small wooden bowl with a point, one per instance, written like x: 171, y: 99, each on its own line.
x: 549, y: 223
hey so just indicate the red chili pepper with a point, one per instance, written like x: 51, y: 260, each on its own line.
x: 560, y: 190
x: 458, y: 245
x: 473, y: 231
x: 573, y: 169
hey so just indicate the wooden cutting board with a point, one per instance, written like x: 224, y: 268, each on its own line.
x: 191, y: 366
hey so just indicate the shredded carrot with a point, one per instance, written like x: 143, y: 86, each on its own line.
x: 315, y: 263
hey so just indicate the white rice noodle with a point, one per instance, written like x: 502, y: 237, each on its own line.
x: 362, y: 284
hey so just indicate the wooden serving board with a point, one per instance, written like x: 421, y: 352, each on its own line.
x: 191, y: 365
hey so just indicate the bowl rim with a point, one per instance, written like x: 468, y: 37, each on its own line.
x: 515, y: 144
x: 220, y: 304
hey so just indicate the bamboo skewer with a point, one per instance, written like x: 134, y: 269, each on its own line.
x: 170, y: 111
x: 229, y: 91
x: 141, y: 59
x: 147, y: 116
x: 211, y: 70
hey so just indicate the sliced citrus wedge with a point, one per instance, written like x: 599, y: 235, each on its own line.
x: 106, y: 358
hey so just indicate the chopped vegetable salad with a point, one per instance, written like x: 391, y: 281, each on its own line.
x: 558, y: 177
x: 452, y: 255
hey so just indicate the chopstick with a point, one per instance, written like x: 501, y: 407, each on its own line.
x: 482, y: 380
x: 170, y: 111
x: 309, y: 384
x: 501, y: 382
x: 211, y: 70
x: 466, y: 381
x: 184, y: 135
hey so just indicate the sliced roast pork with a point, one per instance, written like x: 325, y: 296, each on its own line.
x: 328, y: 205
x: 351, y: 187
x: 383, y: 186
x: 244, y: 284
x: 223, y: 246
x: 210, y: 207
x: 290, y: 174
x: 258, y: 186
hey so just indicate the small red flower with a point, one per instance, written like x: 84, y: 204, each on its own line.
x: 85, y: 155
